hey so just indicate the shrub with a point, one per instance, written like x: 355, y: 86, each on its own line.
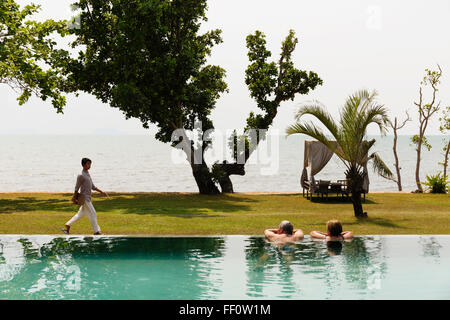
x: 436, y: 183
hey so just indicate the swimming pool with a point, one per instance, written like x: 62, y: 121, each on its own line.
x: 223, y: 267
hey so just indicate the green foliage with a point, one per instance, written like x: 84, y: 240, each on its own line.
x: 437, y: 183
x: 148, y: 59
x: 271, y: 83
x: 25, y: 46
x: 416, y: 138
x: 431, y: 78
x: 445, y: 120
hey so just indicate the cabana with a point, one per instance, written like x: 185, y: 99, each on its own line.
x: 316, y: 156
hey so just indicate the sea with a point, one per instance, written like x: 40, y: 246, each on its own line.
x: 140, y: 163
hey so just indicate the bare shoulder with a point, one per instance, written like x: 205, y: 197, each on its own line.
x: 347, y: 235
x: 298, y: 237
x: 271, y: 235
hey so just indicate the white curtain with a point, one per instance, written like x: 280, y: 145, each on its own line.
x: 315, y: 159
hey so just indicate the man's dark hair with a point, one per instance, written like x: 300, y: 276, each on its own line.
x: 287, y: 227
x: 85, y: 160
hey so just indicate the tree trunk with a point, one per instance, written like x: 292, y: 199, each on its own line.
x: 397, y: 165
x: 446, y: 159
x: 356, y: 178
x: 228, y: 169
x: 357, y: 205
x: 226, y: 185
x: 204, y: 180
x: 202, y: 175
x: 419, y: 150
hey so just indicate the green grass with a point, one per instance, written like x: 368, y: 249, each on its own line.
x: 194, y: 214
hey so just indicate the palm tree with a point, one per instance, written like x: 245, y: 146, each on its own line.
x: 359, y: 111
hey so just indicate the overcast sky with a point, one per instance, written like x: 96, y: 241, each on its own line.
x: 351, y: 44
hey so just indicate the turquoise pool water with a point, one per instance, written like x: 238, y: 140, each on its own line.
x: 229, y: 267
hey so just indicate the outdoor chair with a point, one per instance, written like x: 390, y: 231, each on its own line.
x: 336, y: 187
x: 324, y: 187
x: 344, y: 188
x: 311, y: 188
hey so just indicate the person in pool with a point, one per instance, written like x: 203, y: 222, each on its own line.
x: 334, y: 232
x: 284, y: 233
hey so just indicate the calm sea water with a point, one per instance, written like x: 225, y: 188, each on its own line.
x: 230, y: 267
x: 130, y: 163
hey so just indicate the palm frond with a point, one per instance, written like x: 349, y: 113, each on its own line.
x: 351, y: 131
x: 317, y: 110
x: 362, y: 155
x: 311, y: 130
x: 377, y: 114
x: 380, y: 167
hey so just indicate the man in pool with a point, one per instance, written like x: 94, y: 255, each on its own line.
x: 84, y: 182
x: 284, y: 233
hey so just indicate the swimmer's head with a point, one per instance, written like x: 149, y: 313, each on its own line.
x: 286, y: 227
x: 334, y: 228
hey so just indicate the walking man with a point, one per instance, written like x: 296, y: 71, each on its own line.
x: 84, y: 182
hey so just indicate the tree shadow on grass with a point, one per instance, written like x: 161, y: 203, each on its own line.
x: 24, y: 204
x: 376, y: 221
x: 177, y: 205
x: 338, y: 199
x: 166, y: 204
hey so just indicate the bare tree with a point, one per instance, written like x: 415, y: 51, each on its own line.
x: 395, y: 127
x: 426, y: 111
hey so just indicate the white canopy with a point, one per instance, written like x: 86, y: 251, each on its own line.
x: 316, y: 157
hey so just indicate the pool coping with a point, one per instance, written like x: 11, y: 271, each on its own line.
x: 200, y: 236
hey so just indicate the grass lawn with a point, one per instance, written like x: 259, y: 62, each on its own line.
x: 241, y: 213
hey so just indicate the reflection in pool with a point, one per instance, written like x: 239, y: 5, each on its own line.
x: 228, y: 267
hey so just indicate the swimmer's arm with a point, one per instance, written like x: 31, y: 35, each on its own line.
x: 299, y: 233
x: 347, y: 234
x: 270, y: 233
x: 318, y: 234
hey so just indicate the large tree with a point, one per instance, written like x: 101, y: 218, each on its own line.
x: 27, y: 48
x: 352, y: 147
x: 269, y: 83
x: 149, y: 59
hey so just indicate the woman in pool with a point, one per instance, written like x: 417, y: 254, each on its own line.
x: 334, y: 232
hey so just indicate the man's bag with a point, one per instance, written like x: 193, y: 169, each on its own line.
x: 79, y: 199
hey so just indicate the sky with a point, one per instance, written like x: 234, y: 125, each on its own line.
x: 352, y: 44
